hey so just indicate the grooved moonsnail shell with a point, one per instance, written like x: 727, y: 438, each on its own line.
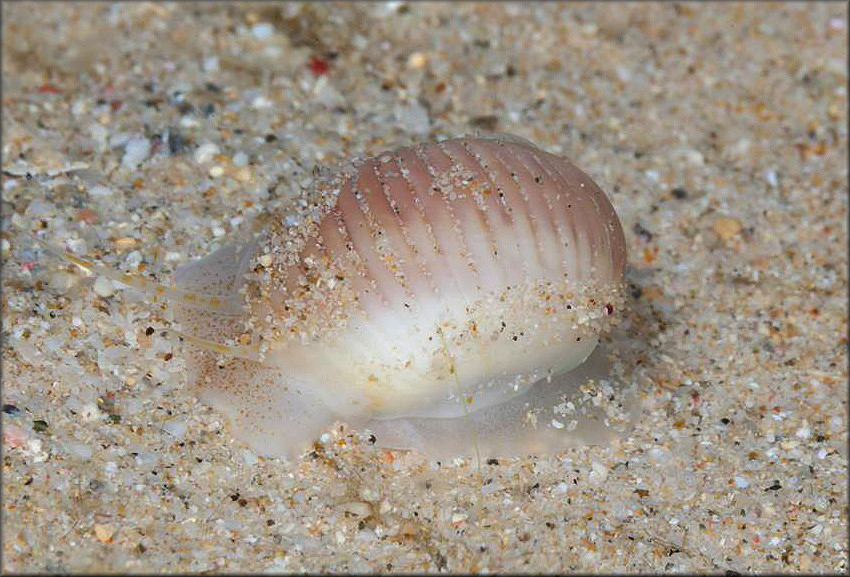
x: 419, y: 292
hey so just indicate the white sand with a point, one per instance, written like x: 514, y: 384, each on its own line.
x: 143, y: 134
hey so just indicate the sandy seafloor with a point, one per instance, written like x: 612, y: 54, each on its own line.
x: 143, y: 134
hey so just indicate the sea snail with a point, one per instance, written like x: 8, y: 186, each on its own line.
x: 418, y: 293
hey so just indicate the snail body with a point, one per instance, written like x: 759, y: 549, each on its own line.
x: 421, y: 293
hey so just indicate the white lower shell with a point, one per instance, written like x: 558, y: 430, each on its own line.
x: 422, y: 363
